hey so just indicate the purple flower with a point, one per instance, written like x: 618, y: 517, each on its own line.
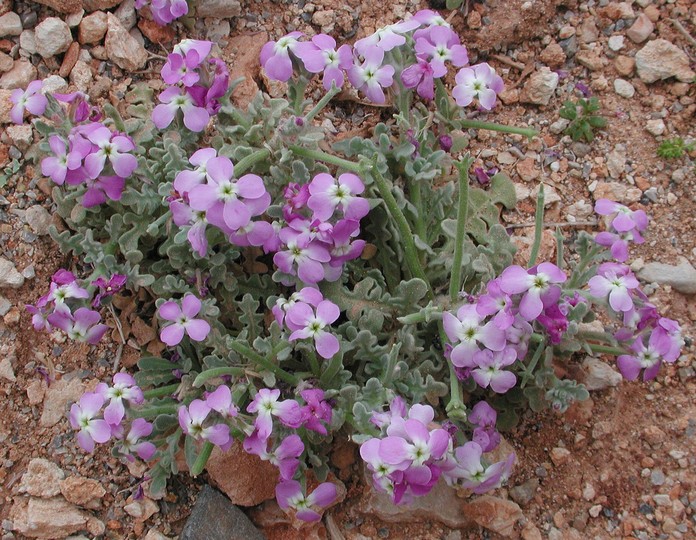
x: 30, y: 99
x: 646, y: 358
x: 308, y: 295
x: 285, y: 456
x: 616, y: 282
x: 477, y: 82
x: 102, y: 188
x: 327, y: 194
x: 83, y: 325
x: 79, y: 109
x: 670, y: 329
x: 344, y: 247
x: 113, y: 147
x: 56, y: 167
x: 371, y: 76
x: 275, y: 57
x: 534, y: 283
x: 441, y: 44
x: 174, y: 99
x: 428, y: 17
x: 220, y: 401
x: 306, y: 322
x: 191, y: 420
x: 208, y: 95
x: 229, y: 203
x: 387, y: 37
x: 266, y: 405
x: 475, y: 475
x: 420, y: 77
x: 201, y: 47
x: 181, y: 69
x: 108, y: 288
x: 622, y: 219
x: 123, y: 389
x: 82, y: 417
x: 132, y: 443
x: 184, y: 321
x: 164, y: 11
x: 496, y: 303
x: 618, y: 243
x: 554, y: 321
x: 316, y: 410
x: 397, y: 409
x: 303, y: 258
x: 467, y: 331
x: 183, y: 215
x: 63, y: 287
x: 254, y: 233
x: 320, y: 55
x: 489, y: 370
x: 39, y: 316
x: 484, y: 417
x: 186, y: 180
x: 290, y: 495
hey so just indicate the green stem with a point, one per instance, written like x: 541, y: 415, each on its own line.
x: 161, y: 391
x: 202, y: 459
x: 582, y: 265
x: 414, y: 190
x: 410, y: 250
x: 252, y: 355
x: 314, y: 363
x: 605, y: 349
x: 529, y: 371
x: 389, y: 370
x: 491, y: 126
x: 462, y: 216
x: 326, y: 158
x: 335, y: 365
x: 322, y: 103
x: 216, y: 372
x: 299, y: 87
x: 250, y: 160
x: 538, y: 227
x: 559, y: 248
x: 154, y: 411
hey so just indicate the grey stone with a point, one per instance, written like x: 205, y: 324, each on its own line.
x: 599, y: 375
x: 5, y: 306
x: 27, y: 41
x: 681, y: 277
x: 624, y: 88
x: 9, y: 276
x: 122, y: 48
x: 660, y: 59
x: 228, y: 522
x: 525, y: 492
x: 10, y: 24
x: 220, y: 9
x: 54, y: 83
x: 540, y: 87
x: 655, y: 126
x: 21, y: 74
x: 126, y: 14
x: 38, y: 219
x: 52, y: 37
x: 616, y: 43
x: 657, y: 477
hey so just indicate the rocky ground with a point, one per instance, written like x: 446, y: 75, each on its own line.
x: 621, y: 465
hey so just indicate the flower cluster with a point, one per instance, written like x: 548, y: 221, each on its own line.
x: 625, y: 226
x: 164, y: 11
x: 84, y: 417
x: 197, y: 83
x: 63, y: 307
x: 372, y: 67
x: 412, y: 453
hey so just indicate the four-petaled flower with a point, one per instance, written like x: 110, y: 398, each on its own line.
x: 308, y: 322
x: 184, y: 321
x: 290, y: 495
x: 191, y: 420
x: 30, y: 99
x: 83, y: 417
x: 477, y: 82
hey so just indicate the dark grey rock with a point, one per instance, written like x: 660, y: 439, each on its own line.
x: 214, y: 517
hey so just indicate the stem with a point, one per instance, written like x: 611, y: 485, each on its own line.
x: 314, y: 363
x: 330, y: 372
x: 410, y: 250
x: 161, y: 391
x: 298, y: 87
x: 538, y: 227
x: 414, y: 190
x: 250, y: 160
x: 326, y: 158
x: 606, y: 349
x: 528, y: 373
x: 202, y: 459
x: 582, y: 265
x: 491, y: 126
x: 389, y: 370
x: 462, y: 216
x: 216, y: 372
x: 252, y: 355
x: 322, y: 102
x: 559, y: 248
x: 154, y: 412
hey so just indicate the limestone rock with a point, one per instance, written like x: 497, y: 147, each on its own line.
x: 230, y: 522
x: 681, y: 277
x: 42, y: 478
x: 540, y: 87
x: 599, y: 375
x: 245, y: 63
x: 553, y: 55
x: 6, y: 369
x: 85, y: 492
x: 27, y: 41
x: 624, y: 88
x: 52, y: 37
x: 656, y: 126
x: 660, y: 59
x: 58, y: 396
x: 48, y: 518
x: 9, y: 276
x: 126, y: 14
x: 123, y: 49
x: 10, y: 25
x: 62, y: 6
x: 616, y: 191
x: 38, y: 219
x: 99, y: 5
x: 641, y: 29
x: 243, y: 477
x: 92, y: 28
x: 6, y: 62
x: 21, y: 74
x: 220, y: 9
x: 495, y: 514
x: 142, y: 509
x: 21, y: 136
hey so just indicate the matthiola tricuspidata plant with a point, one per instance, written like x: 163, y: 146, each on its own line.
x: 303, y: 294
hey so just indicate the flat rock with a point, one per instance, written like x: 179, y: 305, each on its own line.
x: 62, y: 6
x: 58, y: 396
x: 441, y: 504
x: 656, y: 126
x: 525, y: 492
x: 681, y: 278
x: 9, y: 276
x: 540, y: 87
x: 48, y: 518
x: 590, y: 59
x: 10, y: 25
x: 52, y: 37
x: 21, y: 136
x: 122, y: 48
x: 660, y: 59
x: 230, y: 522
x: 244, y: 478
x: 85, y: 492
x: 21, y: 74
x: 42, y: 478
x: 495, y: 514
x: 220, y: 9
x: 616, y: 191
x: 142, y: 509
x: 599, y: 375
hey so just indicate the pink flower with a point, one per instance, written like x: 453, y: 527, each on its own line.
x: 647, y: 358
x: 191, y: 420
x: 371, y: 76
x: 306, y: 322
x: 441, y: 44
x: 184, y: 321
x: 622, y: 218
x: 479, y: 82
x: 489, y: 370
x: 275, y: 57
x: 320, y: 55
x: 220, y: 401
x: 387, y: 37
x: 466, y: 330
x: 316, y: 410
x: 420, y: 76
x: 56, y: 167
x: 614, y: 281
x: 266, y: 405
x: 285, y: 456
x: 534, y: 283
x: 303, y: 258
x: 290, y: 495
x: 132, y: 443
x: 82, y: 417
x: 328, y: 194
x: 123, y: 389
x: 113, y: 147
x: 30, y: 99
x: 174, y: 99
x: 83, y: 325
